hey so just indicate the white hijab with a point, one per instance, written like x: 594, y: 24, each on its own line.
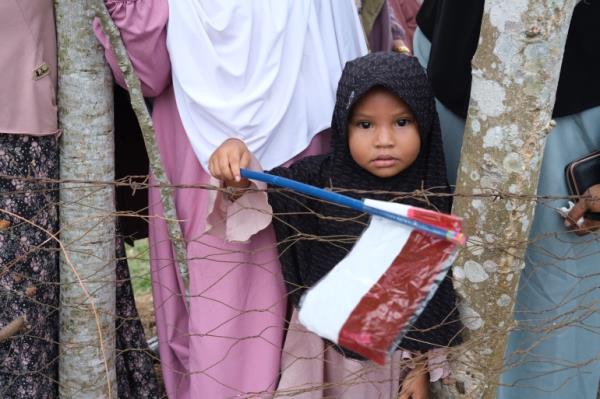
x: 264, y: 71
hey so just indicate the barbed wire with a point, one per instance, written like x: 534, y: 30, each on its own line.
x: 574, y: 309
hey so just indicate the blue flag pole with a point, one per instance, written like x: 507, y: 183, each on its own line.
x: 450, y: 235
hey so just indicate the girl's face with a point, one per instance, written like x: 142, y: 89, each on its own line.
x: 383, y: 135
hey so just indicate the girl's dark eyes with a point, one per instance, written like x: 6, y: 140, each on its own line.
x: 402, y: 122
x: 367, y: 124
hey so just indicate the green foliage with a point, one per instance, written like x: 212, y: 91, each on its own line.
x: 139, y: 267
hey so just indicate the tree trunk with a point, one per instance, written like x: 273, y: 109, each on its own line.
x: 87, y: 267
x: 515, y: 76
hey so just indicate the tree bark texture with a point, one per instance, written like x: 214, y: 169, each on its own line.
x: 515, y: 76
x: 87, y: 266
x: 145, y: 120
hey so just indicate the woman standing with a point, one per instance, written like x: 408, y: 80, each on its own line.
x: 29, y: 158
x: 553, y: 353
x: 382, y: 27
x: 405, y: 12
x: 264, y: 71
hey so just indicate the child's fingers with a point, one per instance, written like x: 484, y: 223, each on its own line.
x: 225, y: 169
x: 226, y: 161
x: 211, y: 166
x: 238, y: 159
x: 245, y: 160
x: 234, y: 165
x: 215, y: 168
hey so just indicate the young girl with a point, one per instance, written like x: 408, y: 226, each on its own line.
x: 385, y: 141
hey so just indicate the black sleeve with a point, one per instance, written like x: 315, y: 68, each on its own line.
x: 295, y: 219
x: 439, y: 325
x: 453, y: 30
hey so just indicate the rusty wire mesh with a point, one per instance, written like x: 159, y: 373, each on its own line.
x: 29, y: 249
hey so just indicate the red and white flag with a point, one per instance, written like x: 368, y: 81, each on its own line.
x: 369, y: 300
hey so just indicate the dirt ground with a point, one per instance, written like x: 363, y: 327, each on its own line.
x: 146, y: 311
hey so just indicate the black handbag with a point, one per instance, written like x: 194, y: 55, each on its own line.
x: 583, y: 173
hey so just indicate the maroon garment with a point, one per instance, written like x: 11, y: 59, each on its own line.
x: 405, y: 12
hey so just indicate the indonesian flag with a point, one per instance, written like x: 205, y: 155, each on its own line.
x: 369, y: 300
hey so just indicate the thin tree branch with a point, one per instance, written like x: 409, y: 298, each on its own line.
x: 12, y: 328
x: 145, y: 121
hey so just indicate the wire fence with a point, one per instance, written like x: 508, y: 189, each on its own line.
x: 230, y: 336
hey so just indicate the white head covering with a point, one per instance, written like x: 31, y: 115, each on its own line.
x: 264, y: 71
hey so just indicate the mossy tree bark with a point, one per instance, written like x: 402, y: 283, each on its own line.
x: 87, y: 266
x: 515, y: 76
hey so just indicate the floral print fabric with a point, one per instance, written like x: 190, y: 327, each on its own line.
x: 29, y: 266
x: 135, y: 370
x: 29, y: 280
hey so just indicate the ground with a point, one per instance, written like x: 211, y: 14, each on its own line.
x: 139, y: 268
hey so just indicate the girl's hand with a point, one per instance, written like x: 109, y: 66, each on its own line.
x: 225, y: 163
x: 416, y: 384
x: 581, y: 207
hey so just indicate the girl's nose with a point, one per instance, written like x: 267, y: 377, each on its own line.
x: 384, y: 137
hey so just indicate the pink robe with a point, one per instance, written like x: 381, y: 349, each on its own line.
x: 229, y: 344
x: 311, y: 369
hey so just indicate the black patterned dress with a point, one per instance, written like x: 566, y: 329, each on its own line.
x: 29, y: 278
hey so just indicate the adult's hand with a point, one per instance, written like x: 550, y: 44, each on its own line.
x: 400, y: 47
x: 590, y: 202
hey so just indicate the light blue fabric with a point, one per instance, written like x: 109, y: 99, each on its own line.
x: 558, y: 303
x: 452, y: 125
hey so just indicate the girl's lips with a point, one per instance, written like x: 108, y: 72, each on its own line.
x: 384, y: 161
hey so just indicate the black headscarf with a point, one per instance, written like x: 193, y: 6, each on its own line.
x: 453, y: 30
x: 314, y: 236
